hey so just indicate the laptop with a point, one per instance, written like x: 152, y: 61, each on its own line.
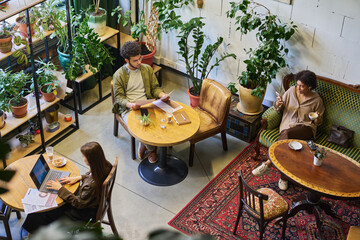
x: 41, y: 174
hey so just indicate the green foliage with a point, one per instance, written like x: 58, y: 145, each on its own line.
x: 86, y: 49
x: 26, y: 139
x: 45, y: 76
x: 196, y: 62
x: 320, y: 153
x: 268, y: 58
x: 12, y: 87
x: 145, y: 119
x: 232, y: 88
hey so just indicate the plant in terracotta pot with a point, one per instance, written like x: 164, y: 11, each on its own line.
x: 268, y: 58
x: 197, y: 62
x: 12, y: 90
x: 9, y: 34
x: 46, y: 80
x: 22, y: 25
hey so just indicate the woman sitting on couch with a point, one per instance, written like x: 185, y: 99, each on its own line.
x: 296, y: 104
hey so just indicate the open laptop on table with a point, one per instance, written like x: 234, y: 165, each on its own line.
x: 41, y: 174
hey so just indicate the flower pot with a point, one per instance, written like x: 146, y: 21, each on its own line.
x: 249, y: 104
x: 144, y: 123
x: 52, y: 113
x: 2, y: 119
x: 6, y: 44
x: 64, y: 59
x: 22, y: 27
x: 148, y: 58
x: 194, y: 100
x: 20, y: 111
x: 49, y: 97
x: 317, y: 162
x: 98, y: 22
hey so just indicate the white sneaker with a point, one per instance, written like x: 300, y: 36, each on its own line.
x: 283, y: 184
x: 260, y: 170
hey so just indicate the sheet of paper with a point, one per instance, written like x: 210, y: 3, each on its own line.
x: 28, y: 208
x: 165, y: 107
x: 35, y: 197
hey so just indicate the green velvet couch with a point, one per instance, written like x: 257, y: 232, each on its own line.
x: 342, y: 107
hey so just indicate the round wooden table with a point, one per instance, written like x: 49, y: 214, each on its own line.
x: 169, y: 170
x: 337, y: 177
x: 22, y: 181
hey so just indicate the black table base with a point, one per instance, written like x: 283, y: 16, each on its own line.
x: 313, y: 205
x: 169, y: 170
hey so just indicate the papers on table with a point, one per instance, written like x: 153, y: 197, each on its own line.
x: 35, y: 201
x: 170, y: 107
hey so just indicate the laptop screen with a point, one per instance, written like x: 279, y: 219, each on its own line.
x: 39, y: 171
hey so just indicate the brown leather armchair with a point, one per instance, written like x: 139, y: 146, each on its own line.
x: 118, y: 119
x: 213, y: 111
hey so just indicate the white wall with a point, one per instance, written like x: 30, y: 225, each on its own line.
x: 327, y: 41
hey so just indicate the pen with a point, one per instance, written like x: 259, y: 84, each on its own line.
x: 183, y: 117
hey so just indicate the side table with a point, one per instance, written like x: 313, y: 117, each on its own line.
x: 242, y: 126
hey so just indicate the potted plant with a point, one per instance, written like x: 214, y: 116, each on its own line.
x: 267, y: 59
x: 7, y: 34
x: 97, y: 18
x: 12, y: 90
x: 46, y: 80
x: 22, y: 25
x: 145, y: 119
x: 319, y: 155
x: 232, y: 88
x: 197, y: 62
x: 25, y: 139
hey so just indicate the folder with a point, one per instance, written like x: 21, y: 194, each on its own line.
x: 145, y: 103
x: 181, y: 117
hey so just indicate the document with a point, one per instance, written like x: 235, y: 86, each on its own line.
x: 170, y: 107
x: 35, y: 200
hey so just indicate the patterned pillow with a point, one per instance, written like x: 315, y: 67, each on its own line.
x: 274, y: 206
x: 273, y: 118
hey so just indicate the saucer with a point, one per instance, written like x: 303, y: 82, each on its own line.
x: 62, y: 164
x: 295, y: 145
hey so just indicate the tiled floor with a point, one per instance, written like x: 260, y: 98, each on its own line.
x: 139, y: 207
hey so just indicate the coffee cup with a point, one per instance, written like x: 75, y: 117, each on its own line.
x: 313, y: 116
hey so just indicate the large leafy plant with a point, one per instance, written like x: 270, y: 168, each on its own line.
x: 268, y: 58
x: 45, y: 76
x: 86, y: 49
x: 12, y: 87
x: 197, y: 62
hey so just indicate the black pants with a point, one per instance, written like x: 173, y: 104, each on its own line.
x: 34, y: 221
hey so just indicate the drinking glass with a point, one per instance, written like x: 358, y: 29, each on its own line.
x: 163, y: 120
x: 168, y: 117
x: 50, y: 152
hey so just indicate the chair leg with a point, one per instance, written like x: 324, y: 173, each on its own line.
x: 261, y: 228
x: 116, y: 127
x: 238, y: 218
x: 257, y: 150
x: 224, y: 141
x: 7, y: 229
x: 18, y: 214
x: 133, y: 153
x: 284, y: 227
x: 191, y: 154
x: 111, y: 221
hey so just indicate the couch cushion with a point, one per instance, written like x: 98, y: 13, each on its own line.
x: 351, y: 152
x: 268, y: 137
x: 208, y: 124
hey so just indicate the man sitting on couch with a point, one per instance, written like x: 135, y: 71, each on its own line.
x: 296, y: 104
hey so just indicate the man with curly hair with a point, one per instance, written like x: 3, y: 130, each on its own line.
x: 135, y: 81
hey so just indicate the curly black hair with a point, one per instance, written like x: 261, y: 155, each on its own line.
x: 307, y: 77
x: 130, y: 49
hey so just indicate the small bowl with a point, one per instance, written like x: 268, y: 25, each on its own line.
x: 313, y: 116
x: 295, y: 145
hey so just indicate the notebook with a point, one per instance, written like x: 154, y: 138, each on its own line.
x: 181, y: 117
x: 41, y: 174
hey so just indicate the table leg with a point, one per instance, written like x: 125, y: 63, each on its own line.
x: 169, y: 170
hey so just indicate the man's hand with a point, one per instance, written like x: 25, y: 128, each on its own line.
x: 132, y: 106
x: 164, y: 97
x: 54, y: 185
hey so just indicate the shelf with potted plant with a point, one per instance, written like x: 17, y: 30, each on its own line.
x: 10, y: 130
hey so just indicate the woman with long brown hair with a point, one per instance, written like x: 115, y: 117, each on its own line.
x: 83, y: 205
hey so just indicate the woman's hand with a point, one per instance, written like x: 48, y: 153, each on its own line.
x: 279, y: 101
x: 54, y: 185
x: 317, y: 120
x: 70, y: 180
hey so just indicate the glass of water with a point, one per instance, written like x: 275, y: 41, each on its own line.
x: 50, y: 152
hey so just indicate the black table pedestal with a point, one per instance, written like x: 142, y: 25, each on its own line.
x: 313, y: 205
x: 169, y: 170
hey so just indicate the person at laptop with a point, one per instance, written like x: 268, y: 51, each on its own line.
x: 135, y: 81
x: 83, y: 205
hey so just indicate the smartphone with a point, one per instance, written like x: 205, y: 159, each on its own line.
x: 277, y: 94
x: 144, y: 111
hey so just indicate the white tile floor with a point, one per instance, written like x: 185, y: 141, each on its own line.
x: 139, y: 207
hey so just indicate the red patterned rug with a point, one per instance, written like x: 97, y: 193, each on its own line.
x: 213, y: 211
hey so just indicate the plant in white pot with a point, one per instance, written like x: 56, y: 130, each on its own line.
x: 97, y: 18
x: 12, y: 91
x: 267, y: 59
x: 197, y: 62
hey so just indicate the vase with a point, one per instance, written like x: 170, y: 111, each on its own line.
x: 49, y: 97
x: 6, y: 44
x: 317, y: 162
x: 64, y: 59
x: 249, y: 104
x: 22, y: 27
x: 21, y: 110
x: 148, y: 58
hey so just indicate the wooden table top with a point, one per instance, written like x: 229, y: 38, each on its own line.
x: 163, y: 137
x: 338, y: 176
x: 22, y: 181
